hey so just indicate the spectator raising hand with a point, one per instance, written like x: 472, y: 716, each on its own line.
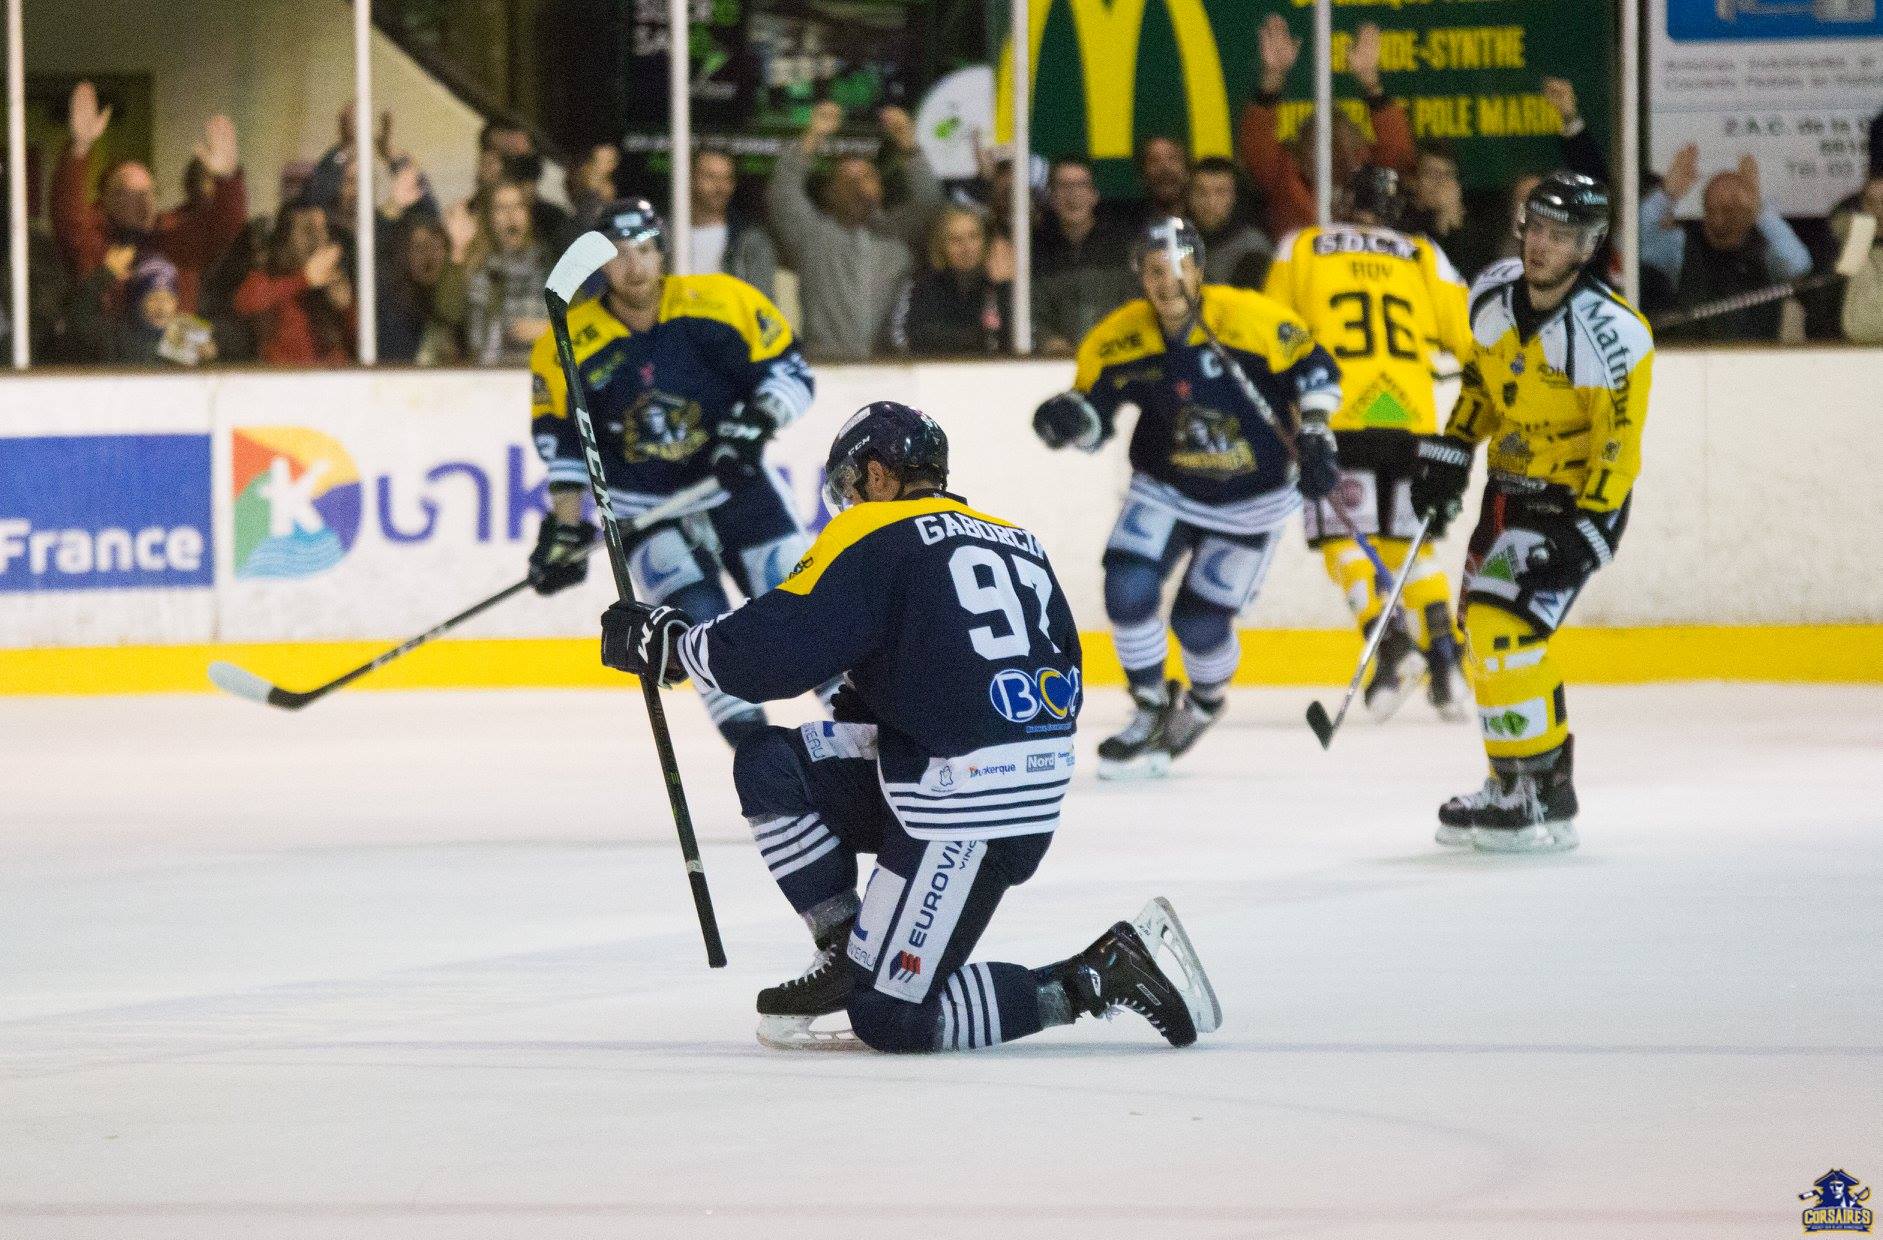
x: 1863, y: 293
x: 1285, y: 174
x: 853, y: 254
x: 191, y: 236
x: 1739, y: 244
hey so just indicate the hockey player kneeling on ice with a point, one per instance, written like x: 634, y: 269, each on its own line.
x: 1559, y: 388
x: 688, y: 378
x: 1212, y: 480
x: 950, y: 755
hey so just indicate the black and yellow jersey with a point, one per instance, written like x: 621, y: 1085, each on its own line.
x: 1564, y: 404
x: 1196, y: 431
x: 957, y: 637
x: 656, y: 395
x: 1384, y: 304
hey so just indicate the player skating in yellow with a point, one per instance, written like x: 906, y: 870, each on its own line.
x: 1384, y: 304
x: 1559, y: 389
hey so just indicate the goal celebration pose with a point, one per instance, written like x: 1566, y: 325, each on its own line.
x: 948, y: 759
x: 688, y: 377
x: 1213, y: 478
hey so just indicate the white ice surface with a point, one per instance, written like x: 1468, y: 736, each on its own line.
x: 423, y: 965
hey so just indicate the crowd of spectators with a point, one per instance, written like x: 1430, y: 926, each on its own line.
x: 870, y: 256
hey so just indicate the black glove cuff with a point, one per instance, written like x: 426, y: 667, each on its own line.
x: 1445, y: 452
x: 1598, y: 543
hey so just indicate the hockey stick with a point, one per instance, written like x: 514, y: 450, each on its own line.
x: 1324, y: 728
x: 1850, y: 261
x: 246, y: 684
x: 586, y: 255
x: 1253, y: 394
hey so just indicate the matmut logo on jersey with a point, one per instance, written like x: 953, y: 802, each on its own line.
x: 297, y: 500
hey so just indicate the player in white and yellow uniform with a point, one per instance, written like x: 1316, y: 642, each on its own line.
x: 1559, y: 389
x: 1385, y: 304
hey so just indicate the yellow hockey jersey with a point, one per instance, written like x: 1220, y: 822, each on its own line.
x: 1565, y: 405
x: 1384, y: 304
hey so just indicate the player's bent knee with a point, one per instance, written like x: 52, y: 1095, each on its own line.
x: 897, y: 1026
x: 1132, y: 586
x: 768, y: 773
x: 700, y: 602
x: 1199, y: 623
x: 1493, y: 634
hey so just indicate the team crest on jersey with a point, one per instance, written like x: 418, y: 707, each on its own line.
x: 663, y: 428
x: 1511, y: 453
x: 1837, y: 1205
x: 1517, y: 364
x: 1209, y: 441
x: 769, y: 328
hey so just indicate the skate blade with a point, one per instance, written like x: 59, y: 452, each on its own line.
x: 1453, y: 837
x: 796, y: 1033
x: 1453, y: 712
x: 1144, y: 766
x: 1542, y: 838
x: 1158, y: 927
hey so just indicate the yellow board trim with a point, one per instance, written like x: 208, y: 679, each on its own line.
x: 1806, y: 653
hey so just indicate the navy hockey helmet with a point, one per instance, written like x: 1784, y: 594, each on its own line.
x: 633, y: 220
x: 1173, y: 235
x: 1573, y: 199
x: 1375, y: 189
x: 906, y: 442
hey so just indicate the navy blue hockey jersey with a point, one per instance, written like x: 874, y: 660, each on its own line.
x: 960, y: 642
x: 656, y: 395
x: 1196, y: 430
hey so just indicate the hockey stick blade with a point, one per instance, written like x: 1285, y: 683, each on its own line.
x: 246, y: 684
x: 1322, y: 725
x: 585, y: 256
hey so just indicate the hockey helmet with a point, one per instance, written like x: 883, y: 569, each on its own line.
x: 633, y: 220
x: 1375, y: 189
x: 906, y: 442
x: 1171, y: 234
x: 1570, y: 198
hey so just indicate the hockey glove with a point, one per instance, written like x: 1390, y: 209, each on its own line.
x: 1320, y: 459
x: 740, y: 437
x: 1439, y: 480
x: 1068, y: 418
x: 560, y: 558
x: 1573, y: 547
x: 639, y: 639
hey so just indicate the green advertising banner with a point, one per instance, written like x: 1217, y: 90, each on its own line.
x: 1109, y: 73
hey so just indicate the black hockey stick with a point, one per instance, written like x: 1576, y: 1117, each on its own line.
x: 246, y: 684
x: 586, y: 255
x: 1850, y: 261
x: 1324, y: 728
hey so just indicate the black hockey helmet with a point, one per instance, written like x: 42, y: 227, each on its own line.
x: 1172, y: 234
x: 1375, y: 189
x: 633, y: 220
x: 1573, y: 199
x: 906, y: 442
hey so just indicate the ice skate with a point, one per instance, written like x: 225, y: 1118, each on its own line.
x: 1395, y: 672
x: 788, y: 1012
x: 1189, y: 719
x: 1537, y: 809
x: 1122, y: 969
x: 1136, y: 751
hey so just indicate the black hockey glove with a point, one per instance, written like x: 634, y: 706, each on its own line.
x: 1573, y: 547
x: 1439, y: 480
x: 847, y: 706
x: 637, y: 638
x: 1320, y: 459
x: 1068, y: 418
x: 560, y: 558
x: 740, y: 437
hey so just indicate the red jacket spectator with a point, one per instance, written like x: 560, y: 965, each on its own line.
x: 1275, y: 168
x: 192, y: 236
x: 302, y: 303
